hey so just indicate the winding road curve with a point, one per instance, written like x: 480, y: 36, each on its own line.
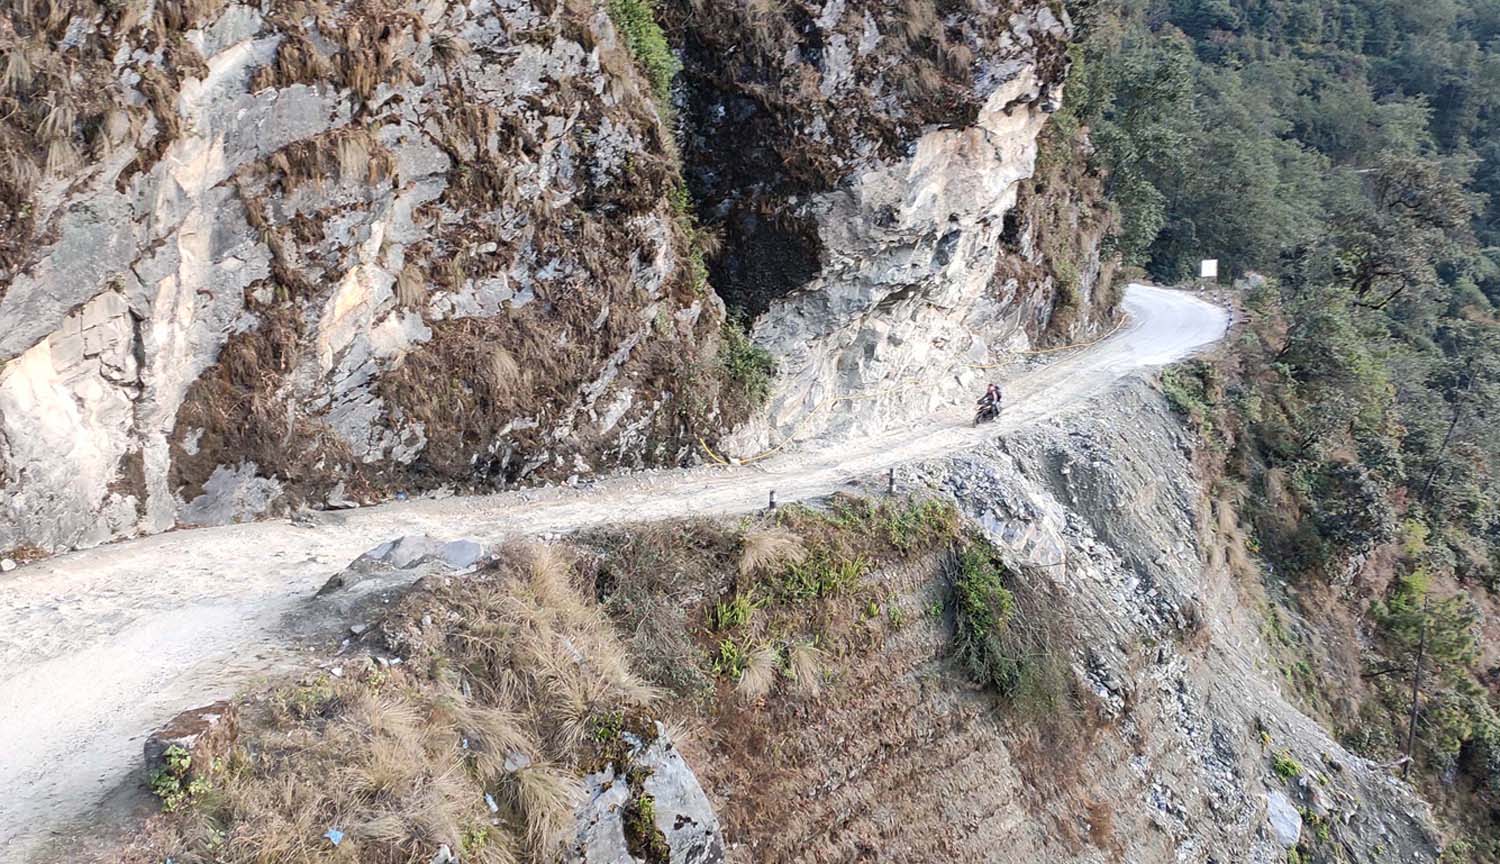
x: 99, y: 646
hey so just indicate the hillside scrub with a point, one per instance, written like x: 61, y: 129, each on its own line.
x: 1312, y: 470
x: 776, y: 592
x: 488, y: 707
x: 1343, y: 152
x: 517, y: 680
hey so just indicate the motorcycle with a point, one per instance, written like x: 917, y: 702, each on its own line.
x: 988, y: 410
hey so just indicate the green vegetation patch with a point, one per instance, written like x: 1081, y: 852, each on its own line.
x: 1355, y: 423
x: 747, y: 368
x: 636, y: 21
x: 175, y: 783
x: 983, y: 608
x: 1192, y: 389
x: 783, y: 592
x: 1285, y: 766
x: 643, y: 839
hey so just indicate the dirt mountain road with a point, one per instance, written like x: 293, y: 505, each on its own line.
x: 99, y: 646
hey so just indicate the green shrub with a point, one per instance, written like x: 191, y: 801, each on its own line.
x: 636, y: 21
x: 983, y: 608
x: 1285, y: 766
x: 174, y: 783
x: 747, y: 367
x: 1189, y: 388
x: 920, y: 523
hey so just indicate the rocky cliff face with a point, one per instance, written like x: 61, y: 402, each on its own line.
x: 263, y: 255
x: 860, y: 162
x: 307, y: 252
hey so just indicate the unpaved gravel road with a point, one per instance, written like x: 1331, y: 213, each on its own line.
x: 99, y: 646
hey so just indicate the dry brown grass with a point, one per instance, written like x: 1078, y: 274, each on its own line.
x: 805, y: 667
x: 503, y: 371
x: 768, y: 549
x: 351, y: 156
x: 18, y: 70
x: 411, y: 287
x: 1102, y: 827
x: 238, y: 405
x: 759, y: 675
x: 500, y: 699
x: 25, y: 553
x: 371, y: 44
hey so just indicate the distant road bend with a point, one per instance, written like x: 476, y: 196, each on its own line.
x: 97, y: 647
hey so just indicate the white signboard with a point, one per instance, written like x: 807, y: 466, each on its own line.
x: 1209, y: 269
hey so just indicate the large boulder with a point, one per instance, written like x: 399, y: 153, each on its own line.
x: 375, y: 578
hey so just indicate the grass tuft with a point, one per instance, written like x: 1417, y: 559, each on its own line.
x: 507, y: 675
x: 768, y: 549
x: 804, y: 667
x: 544, y: 799
x: 758, y: 675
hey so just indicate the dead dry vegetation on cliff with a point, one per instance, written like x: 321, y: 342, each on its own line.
x: 451, y: 247
x: 476, y: 381
x: 747, y: 638
x: 59, y: 108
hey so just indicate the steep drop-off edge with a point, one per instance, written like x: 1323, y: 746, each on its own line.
x: 811, y: 674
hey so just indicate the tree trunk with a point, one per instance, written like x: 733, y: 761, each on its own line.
x: 1458, y: 411
x: 1416, y: 687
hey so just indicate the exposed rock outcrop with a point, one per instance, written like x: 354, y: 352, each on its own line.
x: 861, y: 164
x: 653, y: 792
x: 391, y: 244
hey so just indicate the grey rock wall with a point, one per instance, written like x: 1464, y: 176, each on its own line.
x: 905, y: 311
x: 211, y: 334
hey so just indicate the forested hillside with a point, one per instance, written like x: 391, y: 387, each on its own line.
x: 1349, y: 153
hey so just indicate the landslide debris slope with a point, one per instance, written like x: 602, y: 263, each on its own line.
x: 256, y: 256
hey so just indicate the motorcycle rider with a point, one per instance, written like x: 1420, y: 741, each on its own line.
x: 991, y: 397
x: 989, y: 403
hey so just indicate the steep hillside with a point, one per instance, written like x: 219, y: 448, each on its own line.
x: 1035, y: 651
x: 1341, y: 157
